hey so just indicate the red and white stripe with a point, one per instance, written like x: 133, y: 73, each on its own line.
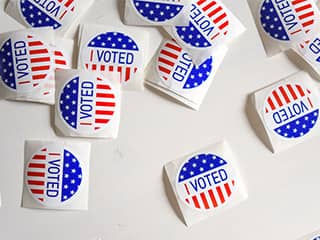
x: 68, y: 5
x: 40, y: 61
x: 284, y: 95
x: 36, y: 173
x: 168, y: 56
x: 305, y: 13
x: 211, y: 198
x: 60, y: 60
x: 105, y: 105
x: 216, y: 13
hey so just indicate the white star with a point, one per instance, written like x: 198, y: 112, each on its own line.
x: 297, y: 122
x: 194, y: 165
x: 201, y: 169
x: 65, y: 186
x: 73, y: 181
x: 181, y: 177
x: 191, y: 173
x: 184, y: 169
x: 73, y: 170
x: 67, y: 165
x: 68, y: 154
x: 66, y: 175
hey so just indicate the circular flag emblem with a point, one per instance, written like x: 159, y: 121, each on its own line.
x: 291, y: 110
x: 176, y: 69
x: 208, y: 24
x: 87, y: 105
x: 205, y: 182
x: 53, y: 175
x: 112, y: 52
x: 44, y: 13
x: 25, y: 62
x: 287, y: 20
x: 158, y: 11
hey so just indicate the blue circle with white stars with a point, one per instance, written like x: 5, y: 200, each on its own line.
x: 7, y: 72
x: 156, y: 11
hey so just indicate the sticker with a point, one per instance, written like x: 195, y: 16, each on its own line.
x: 316, y: 238
x: 61, y: 62
x: 87, y: 105
x: 291, y: 110
x: 113, y: 52
x: 47, y: 13
x: 208, y: 24
x: 311, y: 50
x: 158, y: 11
x: 175, y: 67
x: 287, y: 20
x: 205, y: 182
x: 54, y: 175
x: 25, y: 63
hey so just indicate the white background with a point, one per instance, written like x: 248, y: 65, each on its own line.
x: 127, y: 197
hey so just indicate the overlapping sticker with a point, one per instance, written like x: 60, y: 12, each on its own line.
x: 176, y: 69
x: 291, y: 110
x: 25, y: 62
x: 113, y: 52
x: 87, y: 105
x: 288, y: 20
x: 47, y: 13
x: 54, y: 175
x: 205, y: 182
x: 158, y: 11
x: 208, y: 25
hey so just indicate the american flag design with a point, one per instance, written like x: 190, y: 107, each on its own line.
x: 176, y: 68
x: 291, y: 110
x: 205, y: 182
x: 47, y: 13
x: 26, y: 63
x: 288, y: 20
x: 208, y: 24
x: 53, y: 175
x: 310, y: 50
x: 113, y: 52
x: 158, y: 11
x: 87, y: 105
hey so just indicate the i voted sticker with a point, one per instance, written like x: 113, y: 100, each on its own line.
x: 176, y: 69
x: 87, y: 105
x: 25, y: 63
x: 311, y: 51
x: 113, y: 52
x: 288, y: 20
x: 291, y: 110
x: 208, y: 24
x: 205, y: 182
x: 47, y: 13
x: 54, y: 175
x: 158, y: 11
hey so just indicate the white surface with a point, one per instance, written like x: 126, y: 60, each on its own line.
x: 127, y: 198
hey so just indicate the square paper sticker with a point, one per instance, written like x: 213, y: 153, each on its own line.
x: 59, y: 15
x: 108, y: 50
x: 56, y: 175
x: 157, y: 12
x: 88, y: 104
x: 206, y: 182
x: 289, y: 110
x: 27, y: 64
x: 211, y: 25
x: 174, y: 73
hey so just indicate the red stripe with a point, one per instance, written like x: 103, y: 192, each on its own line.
x: 310, y: 102
x: 101, y: 112
x: 169, y: 54
x: 284, y: 94
x: 305, y: 24
x: 187, y: 189
x: 105, y: 104
x: 164, y: 60
x: 104, y: 121
x: 213, y: 199
x: 102, y: 86
x: 41, y: 199
x: 102, y: 68
x: 86, y: 124
x: 228, y: 190
x: 204, y: 200
x: 127, y: 74
x: 37, y: 191
x: 165, y: 70
x: 187, y: 200
x: 104, y: 95
x: 223, y: 25
x: 24, y: 82
x: 293, y: 94
x: 58, y: 53
x: 35, y: 43
x: 63, y: 14
x: 37, y: 183
x: 302, y: 94
x: 220, y: 194
x: 68, y: 3
x: 297, y: 1
x: 94, y: 66
x: 299, y: 30
x: 215, y: 11
x: 304, y: 7
x: 276, y: 96
x: 38, y: 77
x: 60, y: 62
x: 36, y: 174
x: 174, y: 47
x: 37, y: 165
x: 111, y: 68
x: 39, y: 157
x: 271, y: 104
x: 303, y: 16
x: 201, y: 1
x: 218, y: 19
x: 37, y: 60
x: 196, y: 202
x: 54, y: 154
x: 91, y: 55
x: 40, y: 68
x: 208, y: 6
x: 38, y: 51
x: 216, y: 35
